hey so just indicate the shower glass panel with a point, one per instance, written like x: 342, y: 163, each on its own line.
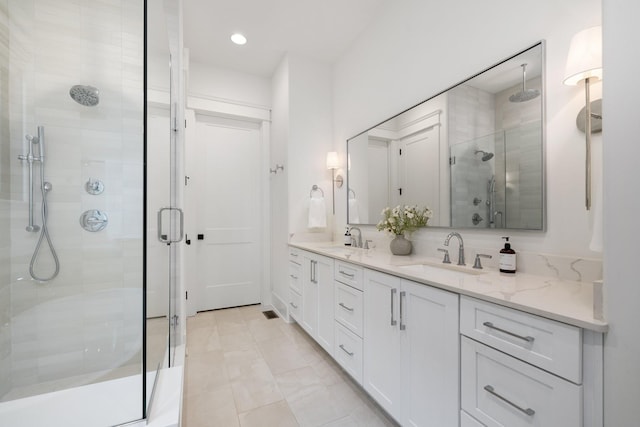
x: 72, y: 241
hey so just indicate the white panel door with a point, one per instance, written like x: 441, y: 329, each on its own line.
x: 420, y: 171
x: 228, y: 212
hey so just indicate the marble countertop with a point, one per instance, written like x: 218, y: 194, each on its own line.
x: 566, y: 301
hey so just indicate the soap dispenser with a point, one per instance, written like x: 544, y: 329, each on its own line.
x: 507, y: 258
x: 347, y: 237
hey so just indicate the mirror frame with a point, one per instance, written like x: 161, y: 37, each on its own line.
x: 543, y: 142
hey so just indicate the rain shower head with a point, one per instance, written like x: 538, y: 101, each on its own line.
x: 525, y: 94
x: 88, y: 96
x: 485, y: 155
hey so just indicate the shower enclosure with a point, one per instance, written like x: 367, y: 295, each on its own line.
x: 77, y: 343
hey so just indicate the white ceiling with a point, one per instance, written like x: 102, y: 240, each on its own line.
x: 318, y: 29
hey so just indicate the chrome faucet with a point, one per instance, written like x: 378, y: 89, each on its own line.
x: 356, y: 242
x: 460, y: 248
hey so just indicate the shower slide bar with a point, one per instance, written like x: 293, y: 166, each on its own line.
x: 30, y: 158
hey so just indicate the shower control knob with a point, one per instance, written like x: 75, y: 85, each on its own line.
x: 93, y: 220
x: 94, y: 186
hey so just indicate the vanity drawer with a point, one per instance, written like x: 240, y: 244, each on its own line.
x: 295, y: 305
x: 295, y: 277
x: 348, y: 307
x: 499, y: 390
x: 295, y: 255
x: 348, y: 274
x: 553, y: 346
x: 348, y: 351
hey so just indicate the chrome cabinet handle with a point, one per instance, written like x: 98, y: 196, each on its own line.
x: 527, y: 411
x: 293, y: 277
x: 345, y: 350
x: 293, y: 305
x: 315, y: 272
x: 403, y: 326
x: 293, y: 254
x: 490, y: 325
x: 393, y: 321
x: 344, y: 273
x: 345, y: 307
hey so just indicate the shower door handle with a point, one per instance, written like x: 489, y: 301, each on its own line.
x: 166, y: 238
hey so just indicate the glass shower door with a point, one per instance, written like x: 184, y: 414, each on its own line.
x: 71, y: 212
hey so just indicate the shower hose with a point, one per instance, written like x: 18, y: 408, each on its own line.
x: 44, y: 233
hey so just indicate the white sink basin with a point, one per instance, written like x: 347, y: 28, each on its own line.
x: 446, y: 269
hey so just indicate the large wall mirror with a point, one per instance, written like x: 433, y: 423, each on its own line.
x: 474, y: 153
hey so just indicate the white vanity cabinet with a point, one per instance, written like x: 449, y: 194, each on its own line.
x: 316, y: 316
x: 518, y: 369
x: 348, y: 311
x: 295, y: 284
x: 411, y: 350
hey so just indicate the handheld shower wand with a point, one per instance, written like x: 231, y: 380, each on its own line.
x: 45, y: 187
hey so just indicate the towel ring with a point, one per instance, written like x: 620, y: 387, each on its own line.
x: 352, y: 192
x: 315, y: 188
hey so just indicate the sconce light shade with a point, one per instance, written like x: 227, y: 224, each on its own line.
x: 332, y: 160
x: 585, y: 56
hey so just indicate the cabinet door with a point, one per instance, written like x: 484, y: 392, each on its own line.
x: 326, y: 321
x: 382, y: 361
x: 309, y: 295
x: 430, y: 346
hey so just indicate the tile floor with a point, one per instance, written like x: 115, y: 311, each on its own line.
x: 245, y: 370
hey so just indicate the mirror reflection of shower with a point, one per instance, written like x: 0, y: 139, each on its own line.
x: 35, y: 154
x: 525, y: 94
x: 485, y: 155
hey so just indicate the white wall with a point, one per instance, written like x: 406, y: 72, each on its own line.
x: 418, y: 48
x: 214, y: 82
x: 310, y: 138
x: 622, y: 175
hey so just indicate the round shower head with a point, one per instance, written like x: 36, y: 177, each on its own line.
x: 485, y: 155
x: 88, y: 96
x: 525, y: 94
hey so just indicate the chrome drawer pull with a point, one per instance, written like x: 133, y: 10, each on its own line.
x: 344, y: 273
x: 345, y: 350
x: 293, y: 277
x: 345, y: 307
x: 527, y: 411
x: 403, y: 326
x: 293, y: 305
x: 292, y: 254
x: 527, y: 338
x: 393, y: 321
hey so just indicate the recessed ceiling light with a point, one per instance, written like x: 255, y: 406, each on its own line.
x: 238, y: 38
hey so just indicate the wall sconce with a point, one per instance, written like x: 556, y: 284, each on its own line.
x: 333, y: 164
x: 584, y: 63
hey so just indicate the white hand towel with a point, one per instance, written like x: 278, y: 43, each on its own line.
x: 354, y: 214
x: 317, y: 213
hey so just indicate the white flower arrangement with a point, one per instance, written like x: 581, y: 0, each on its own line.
x: 403, y: 219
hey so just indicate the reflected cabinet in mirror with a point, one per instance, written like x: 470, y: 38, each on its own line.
x: 473, y: 154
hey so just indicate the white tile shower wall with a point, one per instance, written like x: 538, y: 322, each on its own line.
x: 471, y: 116
x: 55, y: 45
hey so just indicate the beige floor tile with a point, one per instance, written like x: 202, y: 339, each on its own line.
x: 298, y: 383
x: 205, y: 371
x: 259, y: 369
x: 277, y: 414
x: 215, y: 408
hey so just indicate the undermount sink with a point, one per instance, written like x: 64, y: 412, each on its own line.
x: 450, y: 269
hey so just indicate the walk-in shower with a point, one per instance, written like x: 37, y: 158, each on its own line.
x: 73, y: 320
